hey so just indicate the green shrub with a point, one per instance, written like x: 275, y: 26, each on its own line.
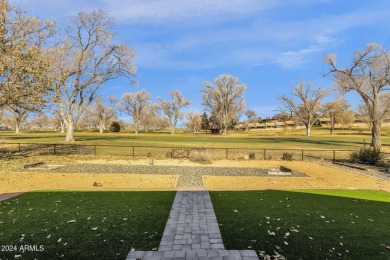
x: 200, y: 157
x: 168, y: 154
x: 115, y: 127
x: 288, y: 156
x: 252, y: 156
x: 368, y: 155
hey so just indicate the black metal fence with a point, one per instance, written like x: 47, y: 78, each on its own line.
x: 173, y: 152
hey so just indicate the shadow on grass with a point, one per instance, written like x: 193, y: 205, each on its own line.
x: 84, y: 225
x: 306, y: 140
x: 302, y: 225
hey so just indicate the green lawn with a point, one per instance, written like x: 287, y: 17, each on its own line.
x: 343, y: 139
x: 123, y: 220
x: 306, y: 224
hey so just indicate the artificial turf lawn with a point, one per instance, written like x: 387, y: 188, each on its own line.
x: 306, y: 224
x: 124, y: 220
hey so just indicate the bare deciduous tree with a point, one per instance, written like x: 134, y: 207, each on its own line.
x: 369, y: 76
x: 135, y: 105
x: 171, y: 109
x: 194, y: 121
x: 100, y: 113
x: 251, y: 115
x: 23, y: 59
x: 86, y: 60
x: 225, y: 100
x: 337, y: 111
x: 305, y: 104
x: 347, y: 118
x: 18, y: 117
x: 42, y: 121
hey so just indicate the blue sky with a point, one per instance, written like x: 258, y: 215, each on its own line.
x: 270, y: 45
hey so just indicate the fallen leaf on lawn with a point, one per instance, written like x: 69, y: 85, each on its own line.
x: 124, y: 219
x: 271, y: 233
x: 322, y: 216
x: 287, y: 234
x: 88, y: 218
x: 235, y: 211
x: 387, y: 247
x: 72, y: 221
x: 311, y: 238
x: 94, y: 228
x: 154, y: 248
x: 370, y: 220
x: 48, y: 236
x: 285, y: 242
x: 341, y: 244
x: 59, y: 240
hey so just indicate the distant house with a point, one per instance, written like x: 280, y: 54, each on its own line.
x: 324, y: 121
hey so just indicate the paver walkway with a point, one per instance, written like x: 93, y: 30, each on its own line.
x: 192, y: 232
x: 6, y: 196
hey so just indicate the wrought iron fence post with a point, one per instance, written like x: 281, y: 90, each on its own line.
x: 227, y: 153
x: 265, y: 154
x: 334, y: 155
x: 133, y: 152
x: 94, y: 151
x: 302, y: 155
x: 19, y: 147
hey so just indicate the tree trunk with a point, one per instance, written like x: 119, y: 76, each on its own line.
x: 376, y: 134
x: 17, y: 128
x: 173, y: 126
x: 69, y: 132
x: 62, y: 127
x: 308, y: 130
x: 101, y: 128
x: 136, y: 128
x: 331, y: 129
x: 224, y: 131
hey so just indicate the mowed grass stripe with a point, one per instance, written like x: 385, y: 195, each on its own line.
x: 306, y: 225
x: 64, y: 223
x: 294, y: 139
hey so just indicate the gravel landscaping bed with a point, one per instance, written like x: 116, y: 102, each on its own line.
x: 372, y: 171
x: 189, y: 175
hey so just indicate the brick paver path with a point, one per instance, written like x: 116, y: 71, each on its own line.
x: 192, y: 232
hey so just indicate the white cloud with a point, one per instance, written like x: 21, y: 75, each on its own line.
x: 155, y: 10
x: 292, y: 59
x: 173, y: 10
